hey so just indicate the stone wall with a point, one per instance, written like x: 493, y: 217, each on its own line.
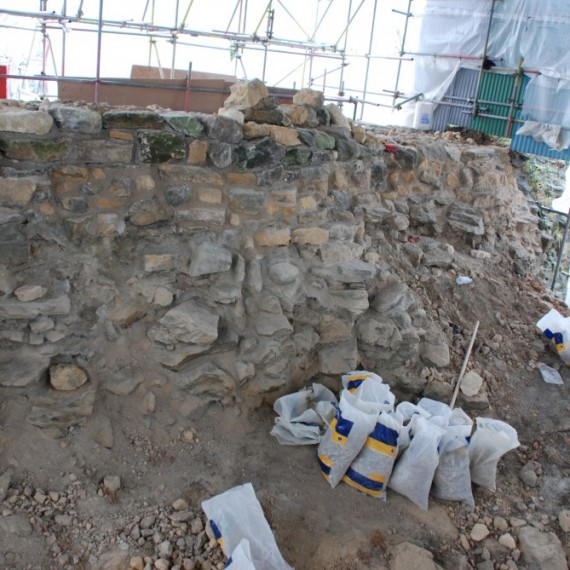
x: 222, y: 261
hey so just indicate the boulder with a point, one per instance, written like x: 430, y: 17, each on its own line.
x: 541, y: 550
x: 246, y: 94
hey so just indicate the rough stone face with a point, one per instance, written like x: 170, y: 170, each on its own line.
x: 283, y: 272
x: 9, y: 215
x: 22, y: 368
x: 106, y: 151
x: 273, y: 238
x: 38, y: 150
x: 193, y: 175
x: 336, y: 116
x: 226, y: 130
x: 202, y: 217
x: 160, y: 146
x: 61, y: 409
x: 136, y: 119
x: 16, y: 192
x: 146, y: 212
x: 246, y: 94
x: 184, y: 123
x: 296, y: 156
x: 466, y: 219
x: 337, y: 359
x: 209, y: 258
x: 28, y: 293
x: 310, y: 236
x: 66, y: 377
x: 197, y: 152
x: 188, y: 323
x: 310, y: 97
x: 253, y: 130
x: 232, y: 113
x: 162, y: 262
x: 479, y: 532
x: 23, y: 121
x: 16, y: 310
x: 76, y: 119
x: 178, y: 195
x: 260, y: 152
x: 471, y: 383
x: 206, y: 379
x: 220, y: 153
x: 541, y: 550
x: 408, y: 556
x: 247, y: 201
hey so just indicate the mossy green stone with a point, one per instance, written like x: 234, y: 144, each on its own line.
x: 296, y: 156
x: 132, y: 120
x: 160, y: 146
x: 39, y: 150
x: 324, y: 141
x: 185, y: 124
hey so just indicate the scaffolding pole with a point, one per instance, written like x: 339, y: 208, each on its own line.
x: 364, y: 89
x: 99, y: 45
x: 174, y: 38
x: 483, y: 58
x: 408, y: 15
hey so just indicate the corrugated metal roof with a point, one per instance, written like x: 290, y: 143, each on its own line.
x: 497, y: 87
x: 528, y: 145
x: 464, y: 85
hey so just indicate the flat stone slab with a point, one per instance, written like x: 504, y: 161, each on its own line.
x: 16, y: 120
x: 22, y: 368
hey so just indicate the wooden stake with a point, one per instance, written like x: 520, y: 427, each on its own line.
x: 465, y: 360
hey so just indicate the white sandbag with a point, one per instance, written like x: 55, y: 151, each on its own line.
x: 491, y: 440
x: 298, y: 421
x: 237, y: 515
x: 415, y: 469
x: 345, y: 436
x: 371, y: 470
x: 556, y: 329
x: 241, y: 557
x: 369, y: 387
x: 436, y: 410
x: 406, y: 411
x: 452, y: 480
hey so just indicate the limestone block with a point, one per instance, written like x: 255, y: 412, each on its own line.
x: 38, y: 150
x: 310, y: 97
x: 162, y: 262
x: 109, y: 224
x: 135, y: 119
x: 466, y: 219
x: 185, y: 123
x: 146, y: 212
x: 253, y: 130
x: 16, y: 120
x: 28, y: 293
x: 247, y: 201
x: 298, y: 116
x: 197, y: 152
x: 17, y: 310
x: 336, y: 116
x: 284, y: 135
x: 77, y: 119
x: 188, y: 322
x: 232, y: 113
x: 202, y: 217
x: 9, y: 215
x: 209, y: 258
x: 207, y: 380
x: 273, y: 237
x: 408, y: 556
x: 62, y: 409
x: 310, y: 236
x: 106, y: 151
x: 66, y: 377
x: 210, y: 195
x: 283, y: 272
x: 160, y: 146
x: 246, y: 94
x: 179, y: 173
x: 338, y: 358
x: 541, y: 550
x: 333, y: 251
x: 471, y: 383
x: 22, y: 368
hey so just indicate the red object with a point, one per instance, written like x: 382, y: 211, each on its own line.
x: 3, y: 82
x: 391, y: 148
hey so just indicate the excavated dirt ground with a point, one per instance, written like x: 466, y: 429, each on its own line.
x: 161, y: 457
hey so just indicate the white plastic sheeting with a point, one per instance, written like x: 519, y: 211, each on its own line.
x: 535, y: 30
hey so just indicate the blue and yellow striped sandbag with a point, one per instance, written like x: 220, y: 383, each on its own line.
x: 371, y: 469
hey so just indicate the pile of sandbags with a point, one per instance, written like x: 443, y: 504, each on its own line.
x: 370, y: 443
